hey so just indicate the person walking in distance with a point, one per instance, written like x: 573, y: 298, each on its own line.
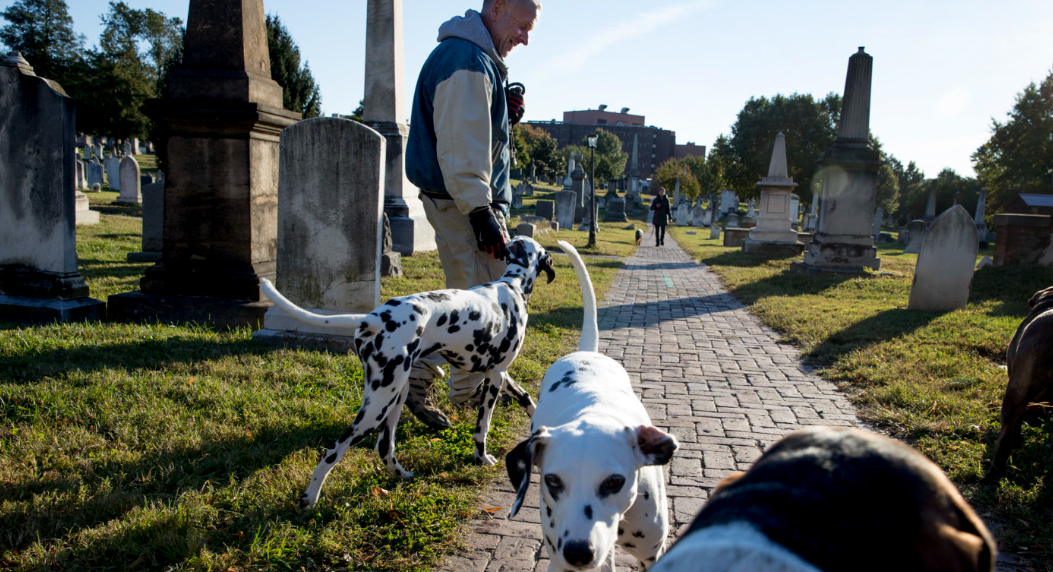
x: 458, y: 155
x: 660, y: 206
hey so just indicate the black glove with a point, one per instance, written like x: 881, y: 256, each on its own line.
x: 514, y: 94
x: 489, y: 235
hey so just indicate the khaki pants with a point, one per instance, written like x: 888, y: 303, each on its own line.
x: 465, y: 266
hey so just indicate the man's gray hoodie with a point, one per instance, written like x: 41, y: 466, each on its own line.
x: 459, y: 132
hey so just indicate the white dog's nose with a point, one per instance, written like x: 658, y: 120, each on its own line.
x: 577, y: 553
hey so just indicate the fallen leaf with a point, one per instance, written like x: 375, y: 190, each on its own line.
x: 493, y: 509
x: 379, y: 492
x: 191, y: 380
x: 239, y: 535
x: 436, y: 440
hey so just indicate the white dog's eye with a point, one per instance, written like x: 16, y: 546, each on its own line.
x: 553, y: 481
x: 613, y: 484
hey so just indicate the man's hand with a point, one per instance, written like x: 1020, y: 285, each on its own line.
x: 489, y: 236
x: 514, y: 93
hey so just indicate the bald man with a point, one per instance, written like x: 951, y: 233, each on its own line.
x: 458, y: 156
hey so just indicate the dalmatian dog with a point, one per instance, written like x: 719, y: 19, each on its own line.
x: 479, y: 330
x: 598, y: 455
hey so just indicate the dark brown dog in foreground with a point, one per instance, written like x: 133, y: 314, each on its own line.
x: 835, y: 499
x: 1030, y: 361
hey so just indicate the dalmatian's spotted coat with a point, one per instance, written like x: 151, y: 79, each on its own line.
x: 598, y: 455
x: 479, y: 330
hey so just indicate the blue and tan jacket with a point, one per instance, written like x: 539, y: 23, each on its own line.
x: 458, y: 139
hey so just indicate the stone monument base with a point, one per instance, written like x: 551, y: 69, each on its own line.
x: 282, y: 330
x: 781, y: 249
x: 25, y: 310
x: 214, y: 312
x: 144, y: 256
x: 838, y: 257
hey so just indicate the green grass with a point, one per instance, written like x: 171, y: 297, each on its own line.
x: 932, y: 379
x: 154, y: 446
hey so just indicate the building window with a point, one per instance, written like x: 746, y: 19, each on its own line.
x: 601, y: 122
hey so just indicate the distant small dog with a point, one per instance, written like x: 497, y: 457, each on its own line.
x: 478, y: 330
x: 1030, y: 361
x: 599, y: 457
x: 835, y: 499
x: 639, y: 236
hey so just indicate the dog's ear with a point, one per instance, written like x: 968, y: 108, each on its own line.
x: 653, y: 446
x: 516, y: 253
x: 545, y: 264
x: 520, y: 460
x: 1040, y: 296
x: 957, y: 550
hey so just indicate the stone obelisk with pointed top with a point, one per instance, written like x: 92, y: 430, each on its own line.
x: 774, y: 233
x: 384, y: 109
x: 634, y: 169
x: 842, y: 240
x: 221, y: 116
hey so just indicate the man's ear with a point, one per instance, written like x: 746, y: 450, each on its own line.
x: 653, y: 446
x: 520, y: 460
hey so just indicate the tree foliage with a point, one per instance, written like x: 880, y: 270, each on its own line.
x: 42, y: 30
x: 541, y: 150
x: 1018, y: 158
x: 673, y: 169
x: 300, y: 92
x: 810, y: 129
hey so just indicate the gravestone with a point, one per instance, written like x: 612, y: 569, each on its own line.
x: 698, y: 216
x: 714, y: 231
x: 616, y: 210
x: 81, y: 176
x: 795, y: 208
x: 84, y: 215
x: 915, y: 236
x: 733, y: 220
x: 565, y: 207
x: 879, y: 217
x: 944, y: 272
x: 517, y: 197
x: 752, y: 210
x: 153, y: 219
x: 683, y: 214
x: 384, y: 109
x: 568, y: 182
x: 112, y: 166
x: 390, y: 261
x: 979, y: 218
x: 634, y: 167
x: 545, y: 209
x: 39, y: 278
x: 131, y: 193
x: 849, y: 170
x: 729, y: 202
x: 94, y: 172
x: 222, y: 115
x: 930, y: 206
x: 528, y: 190
x: 774, y: 234
x: 329, y: 227
x: 525, y: 229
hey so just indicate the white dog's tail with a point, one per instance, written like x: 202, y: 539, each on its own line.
x: 335, y: 321
x: 590, y: 334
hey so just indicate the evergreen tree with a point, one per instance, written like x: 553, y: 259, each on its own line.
x: 300, y: 93
x: 43, y: 31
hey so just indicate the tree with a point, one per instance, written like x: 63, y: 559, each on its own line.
x: 300, y: 92
x: 610, y: 158
x: 1018, y: 158
x: 910, y: 180
x: 542, y: 149
x: 43, y: 31
x: 887, y: 181
x: 673, y: 169
x: 810, y: 129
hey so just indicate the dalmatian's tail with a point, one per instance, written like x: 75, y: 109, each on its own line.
x: 590, y: 334
x: 335, y: 321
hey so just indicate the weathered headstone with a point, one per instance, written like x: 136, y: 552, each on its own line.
x: 714, y: 231
x: 729, y: 202
x: 39, y: 278
x: 578, y: 187
x: 390, y: 261
x: 221, y: 193
x: 774, y: 232
x: 525, y: 229
x: 733, y: 220
x: 915, y: 236
x: 329, y: 226
x: 81, y: 176
x: 112, y: 165
x: 153, y: 219
x: 795, y: 209
x: 634, y: 167
x: 944, y: 272
x: 849, y: 185
x: 384, y: 109
x: 565, y: 206
x: 84, y: 215
x: 130, y: 184
x: 879, y: 217
x: 545, y: 209
x: 930, y: 205
x: 94, y: 172
x: 517, y: 197
x: 616, y: 210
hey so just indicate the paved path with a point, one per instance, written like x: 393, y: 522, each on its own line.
x: 705, y: 369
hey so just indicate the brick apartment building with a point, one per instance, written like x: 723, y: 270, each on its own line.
x: 656, y: 145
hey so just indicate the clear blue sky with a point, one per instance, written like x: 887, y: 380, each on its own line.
x: 942, y: 69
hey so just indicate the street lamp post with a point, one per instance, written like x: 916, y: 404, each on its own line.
x: 592, y: 208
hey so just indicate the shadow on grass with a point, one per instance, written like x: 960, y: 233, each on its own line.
x: 116, y: 209
x: 1009, y: 288
x: 886, y: 325
x: 32, y: 366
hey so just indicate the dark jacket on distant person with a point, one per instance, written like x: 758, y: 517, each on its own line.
x: 660, y: 206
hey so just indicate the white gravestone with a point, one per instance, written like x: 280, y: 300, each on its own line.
x: 112, y: 165
x: 944, y: 272
x: 131, y: 182
x: 330, y: 206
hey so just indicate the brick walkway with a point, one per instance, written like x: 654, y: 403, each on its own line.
x: 706, y: 370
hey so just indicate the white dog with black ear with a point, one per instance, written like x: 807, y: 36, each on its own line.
x: 599, y: 457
